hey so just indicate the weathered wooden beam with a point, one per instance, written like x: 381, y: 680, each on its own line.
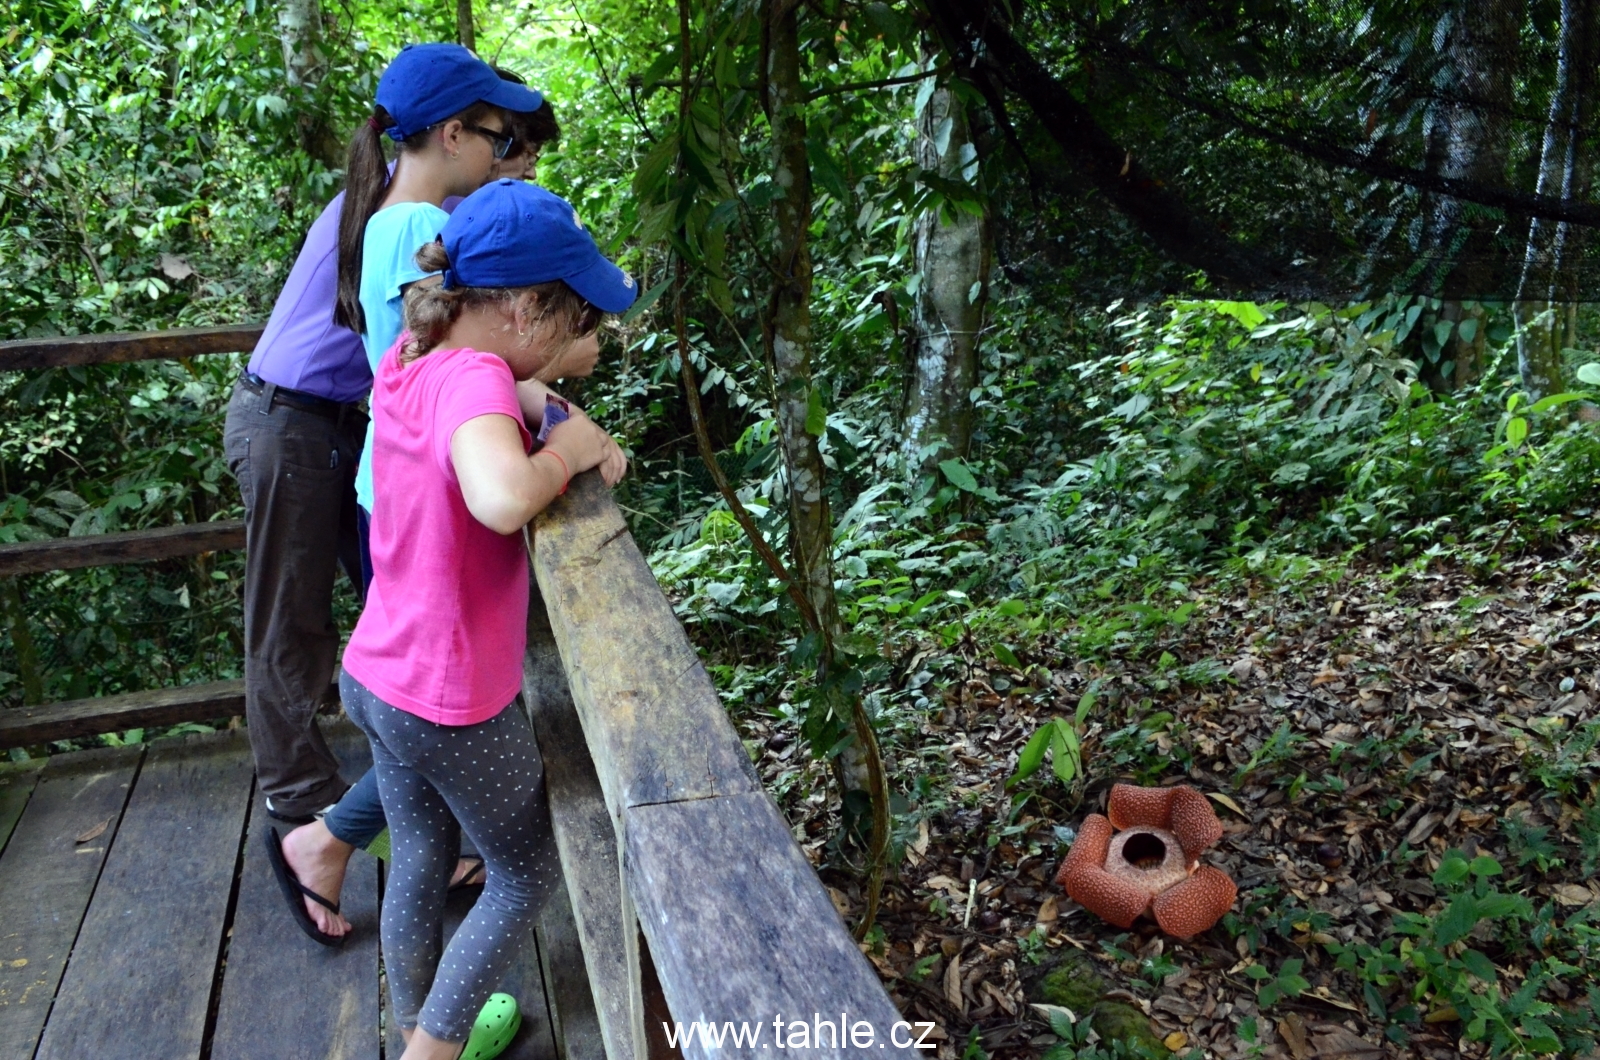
x: 604, y: 990
x: 133, y: 546
x: 743, y: 932
x: 739, y: 925
x: 21, y: 726
x: 656, y: 728
x: 25, y: 726
x: 127, y: 346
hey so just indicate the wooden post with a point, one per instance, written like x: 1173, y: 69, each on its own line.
x: 602, y: 918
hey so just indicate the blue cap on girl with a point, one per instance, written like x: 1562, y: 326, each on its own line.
x: 427, y: 83
x: 513, y: 234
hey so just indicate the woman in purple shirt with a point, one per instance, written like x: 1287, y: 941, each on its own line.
x: 292, y: 438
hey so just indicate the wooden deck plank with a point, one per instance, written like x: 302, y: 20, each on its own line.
x: 573, y: 1022
x: 741, y: 928
x: 16, y: 784
x: 129, y: 546
x: 47, y: 878
x: 146, y: 956
x: 282, y: 994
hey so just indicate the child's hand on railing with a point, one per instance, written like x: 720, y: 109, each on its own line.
x: 583, y: 445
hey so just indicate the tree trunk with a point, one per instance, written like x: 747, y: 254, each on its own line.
x: 954, y: 251
x: 1550, y: 260
x: 859, y: 765
x: 1467, y: 140
x: 300, y: 34
x: 466, y: 32
x: 789, y: 328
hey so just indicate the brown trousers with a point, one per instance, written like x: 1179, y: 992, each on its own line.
x: 296, y: 472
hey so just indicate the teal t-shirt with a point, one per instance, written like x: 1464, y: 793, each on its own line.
x: 388, y: 263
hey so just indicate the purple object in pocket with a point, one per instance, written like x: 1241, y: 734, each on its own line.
x: 556, y: 411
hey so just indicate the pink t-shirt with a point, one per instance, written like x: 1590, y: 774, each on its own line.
x: 445, y: 625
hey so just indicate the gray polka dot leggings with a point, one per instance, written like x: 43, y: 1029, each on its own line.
x: 490, y: 778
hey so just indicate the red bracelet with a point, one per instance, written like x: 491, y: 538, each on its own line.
x: 566, y: 479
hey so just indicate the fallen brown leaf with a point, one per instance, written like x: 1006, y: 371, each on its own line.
x: 96, y: 832
x: 952, y: 985
x: 1293, y: 1029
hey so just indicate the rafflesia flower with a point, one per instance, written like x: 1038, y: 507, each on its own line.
x: 1145, y: 859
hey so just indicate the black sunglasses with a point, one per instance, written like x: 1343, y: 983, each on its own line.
x: 502, y: 140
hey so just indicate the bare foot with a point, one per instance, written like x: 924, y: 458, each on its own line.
x: 469, y: 872
x: 420, y: 1045
x: 318, y: 860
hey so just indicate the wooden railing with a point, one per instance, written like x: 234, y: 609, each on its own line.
x: 36, y: 724
x: 661, y: 820
x: 687, y: 896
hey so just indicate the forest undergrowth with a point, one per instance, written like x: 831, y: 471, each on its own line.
x: 1359, y: 617
x: 1403, y: 759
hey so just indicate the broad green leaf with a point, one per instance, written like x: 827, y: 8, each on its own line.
x: 959, y: 475
x: 1516, y: 431
x: 1063, y: 761
x: 1590, y: 373
x: 1458, y: 919
x: 1453, y: 869
x: 816, y: 413
x: 1032, y: 756
x: 1479, y: 965
x: 1293, y: 472
x: 646, y: 300
x: 1007, y: 656
x: 1553, y: 400
x: 652, y: 171
x: 1247, y: 313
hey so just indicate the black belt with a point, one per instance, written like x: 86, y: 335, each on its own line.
x: 299, y: 399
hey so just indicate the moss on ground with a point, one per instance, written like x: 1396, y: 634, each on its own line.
x: 1071, y: 980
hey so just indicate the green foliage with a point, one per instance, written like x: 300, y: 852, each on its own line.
x: 1274, y: 986
x: 1443, y: 962
x: 1062, y: 740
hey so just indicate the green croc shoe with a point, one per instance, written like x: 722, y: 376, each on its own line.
x: 496, y: 1025
x: 379, y: 847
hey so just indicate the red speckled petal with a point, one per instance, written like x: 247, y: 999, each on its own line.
x: 1089, y: 849
x: 1107, y: 897
x: 1194, y: 822
x: 1195, y: 904
x: 1130, y: 806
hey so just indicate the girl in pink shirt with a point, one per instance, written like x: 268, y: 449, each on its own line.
x: 434, y: 666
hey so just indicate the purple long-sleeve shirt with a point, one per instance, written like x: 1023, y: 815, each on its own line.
x: 303, y: 348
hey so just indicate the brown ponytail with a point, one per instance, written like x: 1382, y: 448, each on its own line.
x: 366, y: 178
x: 431, y: 309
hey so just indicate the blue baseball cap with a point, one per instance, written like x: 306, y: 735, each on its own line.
x: 513, y: 234
x: 427, y: 83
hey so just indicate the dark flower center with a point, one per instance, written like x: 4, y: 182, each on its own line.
x: 1144, y: 851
